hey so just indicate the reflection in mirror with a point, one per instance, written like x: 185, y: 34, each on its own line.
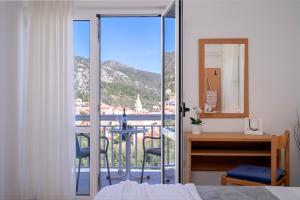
x: 224, y: 78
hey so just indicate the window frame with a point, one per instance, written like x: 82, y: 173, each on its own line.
x: 94, y: 127
x: 90, y: 13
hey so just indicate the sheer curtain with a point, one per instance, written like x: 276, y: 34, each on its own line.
x: 47, y: 148
x: 10, y: 74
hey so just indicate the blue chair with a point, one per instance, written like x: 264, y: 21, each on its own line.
x: 84, y: 152
x: 251, y: 175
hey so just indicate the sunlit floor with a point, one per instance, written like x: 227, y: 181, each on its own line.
x: 84, y: 183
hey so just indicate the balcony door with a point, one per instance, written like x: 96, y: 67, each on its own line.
x: 130, y: 83
x: 153, y: 111
x: 171, y: 93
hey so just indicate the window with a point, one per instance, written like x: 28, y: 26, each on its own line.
x: 82, y: 72
x: 81, y: 43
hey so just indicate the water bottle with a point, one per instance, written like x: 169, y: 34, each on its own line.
x: 124, y: 120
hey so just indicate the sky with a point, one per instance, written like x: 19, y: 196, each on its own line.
x: 81, y: 38
x: 134, y: 41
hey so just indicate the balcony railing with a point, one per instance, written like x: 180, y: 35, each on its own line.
x: 131, y: 117
x: 117, y: 152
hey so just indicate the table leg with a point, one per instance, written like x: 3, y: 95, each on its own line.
x: 128, y: 156
x: 123, y: 176
x: 120, y: 171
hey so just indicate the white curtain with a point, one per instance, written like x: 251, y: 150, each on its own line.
x: 47, y: 142
x: 10, y: 75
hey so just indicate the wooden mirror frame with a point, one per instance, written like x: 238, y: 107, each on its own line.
x: 202, y: 43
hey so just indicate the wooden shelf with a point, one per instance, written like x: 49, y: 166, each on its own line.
x: 223, y: 163
x: 217, y: 151
x: 229, y: 152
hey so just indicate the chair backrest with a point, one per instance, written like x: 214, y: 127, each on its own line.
x: 284, y: 143
x: 106, y: 143
x: 281, y: 143
x: 77, y: 146
x: 283, y: 140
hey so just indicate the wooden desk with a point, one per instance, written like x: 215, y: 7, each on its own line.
x: 224, y: 151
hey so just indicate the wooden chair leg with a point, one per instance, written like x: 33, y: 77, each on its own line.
x: 286, y: 182
x: 223, y: 180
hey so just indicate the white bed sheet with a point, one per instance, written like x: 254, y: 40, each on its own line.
x: 131, y: 190
x: 285, y: 193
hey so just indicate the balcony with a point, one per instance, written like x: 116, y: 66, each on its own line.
x: 150, y: 124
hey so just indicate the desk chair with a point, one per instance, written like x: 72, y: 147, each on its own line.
x: 250, y: 175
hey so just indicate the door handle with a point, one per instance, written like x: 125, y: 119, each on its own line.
x: 183, y: 109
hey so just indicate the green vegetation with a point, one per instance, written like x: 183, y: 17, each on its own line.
x: 121, y: 83
x: 117, y: 94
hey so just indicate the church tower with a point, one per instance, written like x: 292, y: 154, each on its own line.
x: 138, y: 105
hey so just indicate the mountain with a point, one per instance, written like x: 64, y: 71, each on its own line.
x: 81, y: 76
x: 169, y: 74
x: 121, y: 83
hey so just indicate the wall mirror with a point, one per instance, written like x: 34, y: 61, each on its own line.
x: 223, y: 80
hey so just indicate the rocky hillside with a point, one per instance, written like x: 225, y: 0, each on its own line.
x: 121, y: 83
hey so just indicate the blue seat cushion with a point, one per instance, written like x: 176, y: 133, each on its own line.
x: 254, y: 173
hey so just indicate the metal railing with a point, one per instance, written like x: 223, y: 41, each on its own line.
x: 130, y: 117
x: 116, y: 144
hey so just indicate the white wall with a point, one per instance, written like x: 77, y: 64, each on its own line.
x: 273, y: 29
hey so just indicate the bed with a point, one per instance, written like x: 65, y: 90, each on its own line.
x: 129, y: 190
